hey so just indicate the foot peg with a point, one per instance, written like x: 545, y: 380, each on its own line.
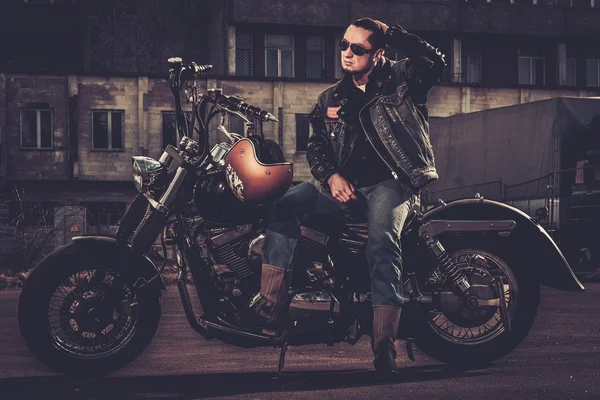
x: 409, y: 348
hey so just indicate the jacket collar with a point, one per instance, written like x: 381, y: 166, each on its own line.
x: 379, y: 82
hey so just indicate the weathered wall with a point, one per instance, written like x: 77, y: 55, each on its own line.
x: 142, y: 132
x: 48, y: 92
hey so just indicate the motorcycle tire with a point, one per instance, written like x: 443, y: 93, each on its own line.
x: 34, y: 313
x: 470, y: 355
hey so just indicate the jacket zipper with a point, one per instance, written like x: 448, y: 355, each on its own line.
x: 394, y: 174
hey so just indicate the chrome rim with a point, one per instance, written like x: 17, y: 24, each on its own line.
x: 76, y: 324
x: 480, y: 325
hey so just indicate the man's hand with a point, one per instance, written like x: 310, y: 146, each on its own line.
x: 341, y: 189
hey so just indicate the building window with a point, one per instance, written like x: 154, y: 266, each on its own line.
x: 170, y: 135
x: 571, y: 72
x: 36, y: 129
x: 581, y: 3
x: 531, y: 68
x: 107, y: 130
x: 104, y: 214
x: 303, y: 132
x: 592, y: 72
x: 315, y: 57
x: 243, y: 54
x: 337, y: 58
x: 279, y: 51
x: 471, y: 67
x: 30, y: 213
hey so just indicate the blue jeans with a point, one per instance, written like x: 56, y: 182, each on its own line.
x: 388, y: 205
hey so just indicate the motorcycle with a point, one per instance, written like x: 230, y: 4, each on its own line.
x: 472, y: 267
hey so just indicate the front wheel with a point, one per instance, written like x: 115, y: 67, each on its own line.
x: 474, y: 336
x: 65, y: 326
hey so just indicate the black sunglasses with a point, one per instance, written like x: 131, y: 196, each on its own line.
x: 357, y: 49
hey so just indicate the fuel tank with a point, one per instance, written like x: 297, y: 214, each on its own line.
x: 217, y: 204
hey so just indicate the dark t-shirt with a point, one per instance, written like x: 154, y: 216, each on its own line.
x: 364, y: 167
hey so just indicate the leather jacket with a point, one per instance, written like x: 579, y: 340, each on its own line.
x: 395, y: 120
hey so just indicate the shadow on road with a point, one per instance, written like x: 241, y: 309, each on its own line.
x: 213, y: 384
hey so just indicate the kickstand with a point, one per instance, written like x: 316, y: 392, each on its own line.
x: 281, y: 359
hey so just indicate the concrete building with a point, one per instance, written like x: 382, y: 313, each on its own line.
x: 83, y: 83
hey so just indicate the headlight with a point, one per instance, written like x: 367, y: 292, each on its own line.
x: 148, y: 174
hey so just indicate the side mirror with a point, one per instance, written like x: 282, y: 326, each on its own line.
x: 541, y: 214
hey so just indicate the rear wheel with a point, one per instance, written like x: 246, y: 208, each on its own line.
x: 468, y: 333
x: 65, y: 325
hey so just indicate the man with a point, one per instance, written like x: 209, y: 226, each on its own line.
x: 371, y: 136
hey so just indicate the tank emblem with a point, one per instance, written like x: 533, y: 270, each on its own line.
x: 235, y: 183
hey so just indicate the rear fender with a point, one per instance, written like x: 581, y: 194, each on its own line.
x: 103, y: 248
x: 528, y: 239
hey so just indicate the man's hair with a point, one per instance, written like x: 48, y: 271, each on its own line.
x: 377, y: 37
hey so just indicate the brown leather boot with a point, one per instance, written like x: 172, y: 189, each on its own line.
x: 266, y: 307
x: 385, y: 329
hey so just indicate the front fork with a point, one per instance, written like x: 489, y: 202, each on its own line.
x: 144, y: 219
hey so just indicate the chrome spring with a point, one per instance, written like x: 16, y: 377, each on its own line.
x: 447, y: 266
x: 130, y: 221
x: 147, y: 231
x: 449, y: 269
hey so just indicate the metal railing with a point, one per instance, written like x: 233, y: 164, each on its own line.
x: 527, y: 196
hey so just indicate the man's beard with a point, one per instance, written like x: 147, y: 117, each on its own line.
x: 359, y: 73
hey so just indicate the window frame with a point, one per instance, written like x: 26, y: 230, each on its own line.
x: 321, y: 52
x: 38, y: 128
x: 251, y: 48
x: 162, y: 123
x: 292, y: 51
x: 97, y: 209
x: 464, y: 76
x: 597, y: 60
x: 338, y: 72
x: 109, y: 130
x: 531, y: 58
x: 38, y: 214
x: 574, y: 61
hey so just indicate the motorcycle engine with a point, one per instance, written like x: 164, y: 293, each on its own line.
x: 237, y: 263
x: 237, y: 253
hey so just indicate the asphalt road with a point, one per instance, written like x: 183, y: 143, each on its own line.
x: 559, y: 360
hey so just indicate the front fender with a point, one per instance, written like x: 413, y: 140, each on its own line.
x: 528, y: 239
x: 106, y: 246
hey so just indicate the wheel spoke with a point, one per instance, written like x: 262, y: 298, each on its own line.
x: 478, y: 324
x: 73, y: 328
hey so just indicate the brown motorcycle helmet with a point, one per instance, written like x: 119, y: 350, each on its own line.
x: 256, y: 170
